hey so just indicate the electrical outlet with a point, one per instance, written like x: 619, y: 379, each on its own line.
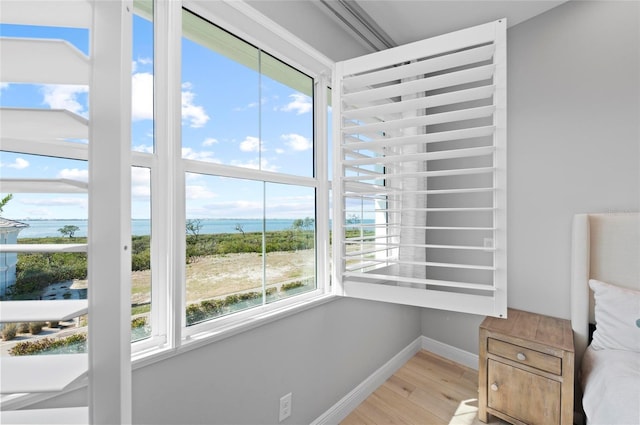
x: 285, y: 407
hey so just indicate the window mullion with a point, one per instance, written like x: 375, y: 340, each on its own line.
x: 166, y: 191
x: 338, y: 223
x: 321, y: 168
x: 264, y: 184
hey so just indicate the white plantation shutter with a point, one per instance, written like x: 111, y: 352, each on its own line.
x: 106, y: 72
x: 421, y: 154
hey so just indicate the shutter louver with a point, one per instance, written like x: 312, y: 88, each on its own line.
x: 422, y: 172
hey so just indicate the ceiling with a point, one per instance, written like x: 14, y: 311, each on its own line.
x: 342, y: 29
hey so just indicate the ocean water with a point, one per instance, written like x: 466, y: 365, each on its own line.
x: 45, y: 228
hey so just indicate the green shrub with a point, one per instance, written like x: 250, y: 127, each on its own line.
x: 195, y: 314
x: 23, y: 328
x: 138, y: 322
x: 54, y: 324
x: 9, y: 331
x: 34, y: 271
x: 36, y: 327
x: 292, y: 285
x: 212, y: 307
x: 34, y: 347
x: 141, y: 260
x: 232, y: 299
x: 249, y: 296
x: 140, y: 243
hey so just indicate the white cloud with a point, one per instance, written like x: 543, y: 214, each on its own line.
x: 3, y: 86
x: 194, y: 114
x: 42, y: 213
x: 59, y: 96
x: 74, y: 174
x: 297, y: 142
x: 142, y: 101
x: 300, y: 104
x: 292, y: 210
x: 235, y: 209
x: 209, y: 141
x: 143, y: 148
x: 198, y: 192
x: 254, y: 164
x: 250, y: 144
x: 140, y: 183
x: 57, y: 202
x: 243, y: 205
x: 279, y: 151
x: 251, y: 105
x: 18, y: 164
x: 140, y: 61
x: 189, y: 153
x: 191, y: 177
x: 142, y: 96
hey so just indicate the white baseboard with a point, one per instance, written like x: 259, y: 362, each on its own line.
x: 450, y: 352
x: 348, y: 403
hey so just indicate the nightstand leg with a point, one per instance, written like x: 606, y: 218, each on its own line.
x: 482, y: 415
x: 482, y: 378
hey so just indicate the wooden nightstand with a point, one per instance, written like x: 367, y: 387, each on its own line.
x: 526, y: 369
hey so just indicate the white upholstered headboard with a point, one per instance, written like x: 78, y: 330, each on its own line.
x: 605, y: 247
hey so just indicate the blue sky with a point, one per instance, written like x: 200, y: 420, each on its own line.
x: 230, y: 115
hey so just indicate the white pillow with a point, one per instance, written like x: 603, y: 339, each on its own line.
x: 617, y: 312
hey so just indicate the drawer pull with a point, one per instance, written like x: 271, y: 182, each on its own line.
x: 494, y: 387
x: 521, y: 357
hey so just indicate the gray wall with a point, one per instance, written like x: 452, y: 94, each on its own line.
x: 319, y: 355
x: 574, y: 147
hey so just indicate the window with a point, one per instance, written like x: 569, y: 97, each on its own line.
x: 249, y: 181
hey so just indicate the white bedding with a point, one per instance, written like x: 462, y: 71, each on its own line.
x: 611, y: 387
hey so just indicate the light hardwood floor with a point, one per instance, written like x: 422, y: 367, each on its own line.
x: 427, y: 390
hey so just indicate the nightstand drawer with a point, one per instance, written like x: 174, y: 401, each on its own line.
x: 525, y: 356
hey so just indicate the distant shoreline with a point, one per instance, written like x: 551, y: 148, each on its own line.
x: 142, y: 227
